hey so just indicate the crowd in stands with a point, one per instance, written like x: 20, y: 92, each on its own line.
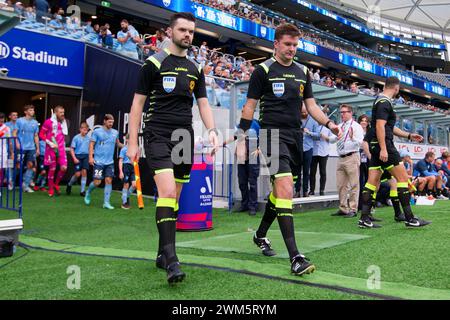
x: 337, y: 82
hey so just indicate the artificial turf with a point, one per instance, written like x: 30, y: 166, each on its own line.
x: 413, y: 263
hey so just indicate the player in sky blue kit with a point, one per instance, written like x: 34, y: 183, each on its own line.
x: 101, y: 156
x: 79, y: 150
x: 28, y: 133
x: 126, y: 174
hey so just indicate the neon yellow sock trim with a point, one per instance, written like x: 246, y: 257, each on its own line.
x: 402, y: 184
x: 166, y: 202
x: 284, y: 204
x: 272, y: 198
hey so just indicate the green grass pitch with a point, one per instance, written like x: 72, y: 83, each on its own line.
x: 115, y: 252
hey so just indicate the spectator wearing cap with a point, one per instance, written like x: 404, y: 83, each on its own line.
x: 129, y: 38
x: 407, y: 162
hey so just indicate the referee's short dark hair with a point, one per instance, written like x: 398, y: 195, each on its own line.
x: 2, y: 115
x: 180, y: 15
x: 286, y: 29
x: 391, y: 82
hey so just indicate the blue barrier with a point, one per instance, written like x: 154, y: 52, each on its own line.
x: 11, y: 175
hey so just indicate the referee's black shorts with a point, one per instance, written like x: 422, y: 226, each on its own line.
x: 393, y: 160
x: 158, y: 146
x: 282, y: 152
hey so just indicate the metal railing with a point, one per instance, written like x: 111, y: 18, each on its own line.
x: 11, y: 168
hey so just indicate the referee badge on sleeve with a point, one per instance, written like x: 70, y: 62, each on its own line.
x: 191, y: 86
x: 278, y: 89
x: 302, y: 89
x: 169, y: 83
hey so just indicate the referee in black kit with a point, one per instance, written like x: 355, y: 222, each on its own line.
x: 282, y: 85
x: 385, y: 156
x: 170, y: 80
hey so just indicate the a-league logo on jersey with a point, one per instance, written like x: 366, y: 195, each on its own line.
x: 169, y: 84
x: 278, y: 89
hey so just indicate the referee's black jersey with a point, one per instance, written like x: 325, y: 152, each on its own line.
x: 383, y: 110
x: 170, y: 82
x: 281, y: 91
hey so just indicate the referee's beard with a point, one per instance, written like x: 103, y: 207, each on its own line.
x: 183, y: 44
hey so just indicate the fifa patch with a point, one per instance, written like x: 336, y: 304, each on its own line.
x: 278, y: 89
x: 169, y: 83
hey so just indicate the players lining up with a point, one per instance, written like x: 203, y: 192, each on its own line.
x: 44, y: 156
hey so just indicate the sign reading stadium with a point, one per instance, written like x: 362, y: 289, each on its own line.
x: 42, y: 58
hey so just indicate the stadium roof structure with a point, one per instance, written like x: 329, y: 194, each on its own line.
x: 326, y: 95
x: 432, y: 14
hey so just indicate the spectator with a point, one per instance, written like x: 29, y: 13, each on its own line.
x: 317, y: 75
x: 104, y: 39
x: 19, y: 9
x: 97, y: 28
x: 364, y: 122
x: 71, y: 25
x: 407, y: 162
x: 321, y: 152
x: 438, y: 163
x: 88, y: 28
x: 56, y: 22
x: 207, y: 71
x: 329, y: 82
x: 204, y: 48
x: 108, y: 29
x: 162, y: 40
x: 339, y: 84
x: 445, y: 157
x: 425, y: 168
x: 30, y: 14
x: 311, y: 132
x: 218, y: 73
x: 347, y: 171
x: 354, y: 88
x: 248, y: 169
x: 129, y: 38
